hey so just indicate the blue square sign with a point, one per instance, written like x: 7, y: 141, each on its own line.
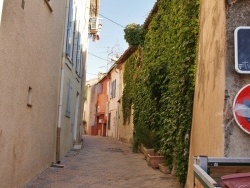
x: 242, y: 49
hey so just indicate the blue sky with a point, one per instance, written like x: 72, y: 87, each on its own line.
x: 112, y: 42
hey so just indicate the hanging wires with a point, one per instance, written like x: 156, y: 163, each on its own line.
x: 112, y: 21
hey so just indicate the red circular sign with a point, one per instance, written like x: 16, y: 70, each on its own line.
x: 241, y: 108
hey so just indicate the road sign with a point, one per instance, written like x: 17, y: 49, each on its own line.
x: 241, y: 108
x: 242, y: 49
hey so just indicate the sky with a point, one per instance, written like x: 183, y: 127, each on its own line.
x: 115, y: 15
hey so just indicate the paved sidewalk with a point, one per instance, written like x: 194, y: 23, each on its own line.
x: 103, y: 163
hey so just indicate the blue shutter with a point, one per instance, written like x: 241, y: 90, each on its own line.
x: 114, y: 88
x: 99, y: 88
x: 78, y: 55
x: 74, y: 40
x: 67, y: 113
x: 69, y: 29
x: 80, y: 72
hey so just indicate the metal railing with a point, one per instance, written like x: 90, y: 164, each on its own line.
x: 203, y: 163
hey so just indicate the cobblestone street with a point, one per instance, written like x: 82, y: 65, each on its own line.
x: 103, y: 162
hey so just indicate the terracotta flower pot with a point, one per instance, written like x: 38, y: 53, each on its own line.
x: 148, y: 151
x: 164, y: 169
x: 155, y: 160
x: 142, y: 148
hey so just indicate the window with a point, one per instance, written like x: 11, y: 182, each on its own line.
x: 48, y: 3
x: 113, y: 89
x: 69, y: 39
x: 81, y: 61
x: 29, y: 103
x: 74, y: 36
x: 99, y: 88
x: 109, y: 117
x: 78, y: 56
x: 67, y: 113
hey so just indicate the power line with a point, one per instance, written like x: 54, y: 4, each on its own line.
x: 91, y: 73
x: 112, y: 21
x: 97, y: 56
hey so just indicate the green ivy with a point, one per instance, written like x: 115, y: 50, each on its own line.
x: 161, y: 87
x: 134, y: 34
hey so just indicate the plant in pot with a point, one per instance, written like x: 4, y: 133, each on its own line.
x: 148, y: 144
x: 156, y: 158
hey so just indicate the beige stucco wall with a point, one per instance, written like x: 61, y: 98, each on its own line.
x: 125, y: 130
x: 113, y: 104
x: 90, y: 104
x: 71, y: 126
x: 68, y: 123
x: 207, y: 136
x: 30, y: 46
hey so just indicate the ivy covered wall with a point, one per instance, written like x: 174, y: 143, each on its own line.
x: 159, y: 82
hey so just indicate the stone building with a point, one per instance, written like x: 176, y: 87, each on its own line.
x: 43, y: 47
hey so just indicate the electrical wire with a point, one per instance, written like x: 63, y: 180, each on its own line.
x: 112, y: 21
x: 91, y: 73
x: 97, y: 56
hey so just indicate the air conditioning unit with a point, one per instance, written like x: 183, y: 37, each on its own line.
x: 94, y: 24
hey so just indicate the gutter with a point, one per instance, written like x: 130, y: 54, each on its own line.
x: 59, y: 122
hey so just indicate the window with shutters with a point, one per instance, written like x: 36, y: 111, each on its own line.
x: 78, y: 56
x: 113, y: 89
x: 69, y: 39
x: 109, y: 118
x: 74, y: 36
x: 67, y: 112
x: 99, y: 88
x: 81, y: 64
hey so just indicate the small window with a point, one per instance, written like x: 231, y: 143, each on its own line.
x: 109, y: 118
x: 113, y: 89
x: 29, y: 102
x: 23, y: 4
x: 99, y: 88
x: 67, y: 113
x: 49, y: 5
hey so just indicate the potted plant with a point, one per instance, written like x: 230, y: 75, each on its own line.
x: 147, y: 140
x: 155, y: 159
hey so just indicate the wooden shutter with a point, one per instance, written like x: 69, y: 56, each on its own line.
x: 69, y: 29
x: 68, y: 100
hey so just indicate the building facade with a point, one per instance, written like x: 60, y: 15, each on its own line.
x: 31, y: 44
x: 102, y: 101
x: 125, y: 130
x: 90, y: 106
x: 113, y: 97
x: 72, y: 79
x: 44, y: 47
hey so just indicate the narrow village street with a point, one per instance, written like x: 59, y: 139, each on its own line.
x: 103, y: 162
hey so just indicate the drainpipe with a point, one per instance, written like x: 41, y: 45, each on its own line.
x: 59, y: 121
x: 59, y: 117
x: 118, y: 105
